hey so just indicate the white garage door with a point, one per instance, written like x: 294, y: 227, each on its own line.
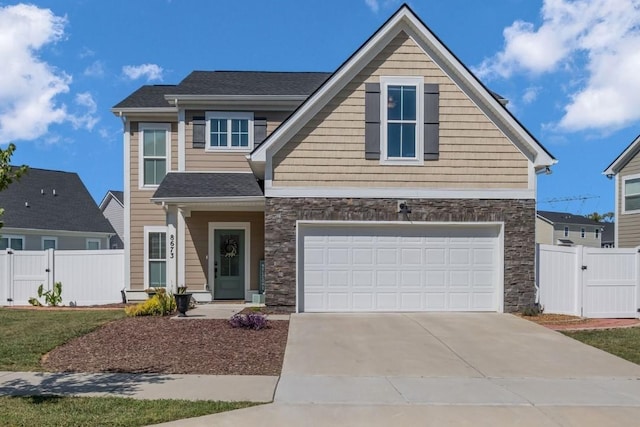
x: 398, y: 267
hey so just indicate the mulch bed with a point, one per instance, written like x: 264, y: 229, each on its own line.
x: 565, y: 322
x: 163, y: 345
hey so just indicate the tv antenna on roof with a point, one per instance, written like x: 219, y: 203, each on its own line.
x: 553, y: 201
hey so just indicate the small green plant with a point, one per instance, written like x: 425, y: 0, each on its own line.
x: 52, y: 297
x: 182, y: 289
x: 160, y: 304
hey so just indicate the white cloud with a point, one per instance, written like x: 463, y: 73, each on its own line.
x: 597, y: 41
x: 29, y: 86
x: 530, y: 94
x: 87, y: 119
x: 95, y: 69
x: 376, y: 5
x: 150, y: 71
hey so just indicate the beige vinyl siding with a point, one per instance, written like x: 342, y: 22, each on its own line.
x: 628, y: 224
x: 329, y: 150
x: 143, y: 212
x: 544, y: 232
x: 198, y: 159
x: 197, y: 244
x: 575, y: 234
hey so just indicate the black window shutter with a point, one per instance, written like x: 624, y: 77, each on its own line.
x: 259, y: 131
x: 199, y: 130
x: 431, y: 121
x: 372, y: 121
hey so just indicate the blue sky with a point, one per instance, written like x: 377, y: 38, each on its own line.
x: 568, y: 67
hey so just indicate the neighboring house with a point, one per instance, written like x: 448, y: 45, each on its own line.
x: 565, y: 229
x: 608, y: 235
x: 49, y: 209
x: 112, y: 207
x: 625, y: 170
x: 398, y: 182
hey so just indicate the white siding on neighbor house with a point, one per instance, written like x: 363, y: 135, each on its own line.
x: 114, y: 212
x: 575, y: 234
x: 65, y: 241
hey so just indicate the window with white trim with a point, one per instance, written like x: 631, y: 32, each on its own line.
x: 582, y: 233
x: 229, y: 131
x: 401, y: 117
x: 155, y: 257
x: 566, y: 232
x: 11, y: 242
x: 49, y: 243
x: 93, y: 244
x: 597, y: 233
x: 631, y: 194
x: 155, y: 149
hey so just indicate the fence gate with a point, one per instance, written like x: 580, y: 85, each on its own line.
x: 27, y: 270
x: 610, y: 283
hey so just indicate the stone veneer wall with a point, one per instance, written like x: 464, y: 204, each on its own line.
x: 518, y: 216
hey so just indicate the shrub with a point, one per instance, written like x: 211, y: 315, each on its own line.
x: 532, y: 310
x: 161, y: 304
x: 254, y: 321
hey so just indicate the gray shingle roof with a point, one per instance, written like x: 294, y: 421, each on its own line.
x: 118, y: 195
x: 566, y: 218
x: 608, y: 233
x: 179, y: 185
x: 71, y: 208
x: 228, y: 83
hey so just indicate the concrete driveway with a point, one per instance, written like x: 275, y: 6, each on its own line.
x: 441, y: 369
x: 444, y: 358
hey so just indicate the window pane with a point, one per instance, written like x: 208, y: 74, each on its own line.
x: 394, y: 102
x: 230, y: 255
x: 16, y: 244
x: 408, y: 102
x: 48, y: 244
x: 157, y: 245
x: 235, y: 140
x: 394, y: 137
x: 632, y: 186
x: 93, y: 245
x: 632, y: 203
x: 155, y: 143
x: 4, y: 243
x: 160, y: 171
x: 408, y: 140
x: 239, y: 133
x: 244, y: 140
x: 218, y: 132
x: 157, y: 274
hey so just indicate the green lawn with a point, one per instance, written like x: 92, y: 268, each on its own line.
x: 25, y: 335
x: 623, y: 342
x: 45, y: 411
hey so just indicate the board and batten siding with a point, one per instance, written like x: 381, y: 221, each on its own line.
x: 628, y: 224
x: 197, y: 244
x: 200, y: 160
x: 329, y: 149
x: 143, y: 211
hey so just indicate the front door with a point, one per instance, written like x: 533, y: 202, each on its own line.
x: 228, y: 264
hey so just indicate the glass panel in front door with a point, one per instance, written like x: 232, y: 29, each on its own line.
x: 229, y: 256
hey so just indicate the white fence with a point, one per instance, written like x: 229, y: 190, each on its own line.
x: 88, y: 277
x: 589, y: 282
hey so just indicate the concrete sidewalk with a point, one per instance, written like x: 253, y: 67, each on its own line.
x: 141, y: 386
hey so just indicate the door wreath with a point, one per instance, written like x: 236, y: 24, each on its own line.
x: 230, y: 248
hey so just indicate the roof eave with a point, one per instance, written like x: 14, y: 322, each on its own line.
x: 288, y: 102
x: 212, y: 200
x: 624, y: 158
x: 143, y: 110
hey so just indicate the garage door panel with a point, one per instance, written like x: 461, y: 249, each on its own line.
x: 407, y: 268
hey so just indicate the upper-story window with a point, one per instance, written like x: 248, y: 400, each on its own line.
x: 631, y: 191
x: 229, y: 131
x: 597, y: 233
x: 582, y: 233
x: 155, y: 153
x: 566, y: 232
x: 401, y: 113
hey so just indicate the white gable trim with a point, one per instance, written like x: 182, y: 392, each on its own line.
x: 404, y: 20
x: 624, y: 158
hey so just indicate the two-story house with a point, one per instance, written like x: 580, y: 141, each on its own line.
x: 397, y: 182
x: 565, y: 229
